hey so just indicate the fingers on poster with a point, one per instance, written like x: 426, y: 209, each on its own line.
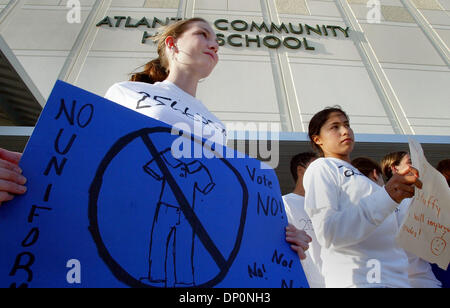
x: 169, y: 220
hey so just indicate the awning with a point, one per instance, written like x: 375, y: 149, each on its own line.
x: 20, y: 100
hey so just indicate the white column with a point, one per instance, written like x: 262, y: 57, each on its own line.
x: 189, y: 6
x: 8, y: 13
x: 430, y: 33
x: 388, y: 97
x: 285, y: 90
x: 77, y: 57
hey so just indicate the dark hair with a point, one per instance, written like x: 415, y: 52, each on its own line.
x: 444, y: 168
x: 158, y: 69
x: 443, y: 165
x: 301, y: 159
x: 366, y: 165
x: 390, y: 160
x: 317, y: 121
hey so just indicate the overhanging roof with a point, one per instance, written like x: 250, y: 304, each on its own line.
x: 20, y: 100
x: 436, y: 148
x: 375, y: 146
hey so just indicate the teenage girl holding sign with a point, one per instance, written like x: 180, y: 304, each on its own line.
x: 353, y: 217
x: 165, y: 90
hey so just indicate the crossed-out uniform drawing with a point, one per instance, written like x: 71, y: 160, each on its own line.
x: 169, y: 223
x: 168, y: 235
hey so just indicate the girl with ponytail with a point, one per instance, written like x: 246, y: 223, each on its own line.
x: 353, y: 217
x: 165, y: 90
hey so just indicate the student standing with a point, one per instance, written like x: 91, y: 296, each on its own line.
x: 353, y: 217
x: 300, y: 232
x: 165, y: 90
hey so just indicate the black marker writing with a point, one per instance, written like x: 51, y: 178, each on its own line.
x: 269, y: 206
x: 256, y: 271
x: 278, y: 259
x: 25, y: 260
x: 260, y: 179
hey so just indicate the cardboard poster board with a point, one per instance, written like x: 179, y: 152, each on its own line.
x: 109, y: 206
x: 425, y: 231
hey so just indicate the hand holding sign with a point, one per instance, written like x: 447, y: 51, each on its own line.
x: 401, y: 185
x: 11, y: 179
x: 425, y: 231
x: 299, y: 239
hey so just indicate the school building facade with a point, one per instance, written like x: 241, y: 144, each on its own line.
x: 385, y: 62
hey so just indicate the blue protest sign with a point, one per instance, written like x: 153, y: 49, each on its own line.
x: 441, y: 275
x: 108, y: 205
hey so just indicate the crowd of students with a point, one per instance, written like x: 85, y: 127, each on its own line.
x: 337, y: 258
x: 355, y: 215
x: 342, y: 214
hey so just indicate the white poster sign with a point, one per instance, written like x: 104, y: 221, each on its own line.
x: 425, y: 231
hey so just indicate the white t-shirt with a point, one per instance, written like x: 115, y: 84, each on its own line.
x: 166, y: 102
x: 295, y: 210
x: 420, y: 272
x: 355, y: 225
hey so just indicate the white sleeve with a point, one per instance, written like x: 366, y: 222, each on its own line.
x: 116, y: 94
x: 336, y: 226
x: 287, y: 210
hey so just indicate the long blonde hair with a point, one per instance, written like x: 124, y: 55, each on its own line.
x: 158, y: 69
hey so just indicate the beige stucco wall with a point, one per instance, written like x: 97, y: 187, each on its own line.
x: 391, y: 77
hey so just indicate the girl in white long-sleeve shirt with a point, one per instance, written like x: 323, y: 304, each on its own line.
x: 353, y: 217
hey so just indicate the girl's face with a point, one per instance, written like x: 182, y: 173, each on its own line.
x: 196, y: 49
x: 336, y: 138
x: 404, y: 164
